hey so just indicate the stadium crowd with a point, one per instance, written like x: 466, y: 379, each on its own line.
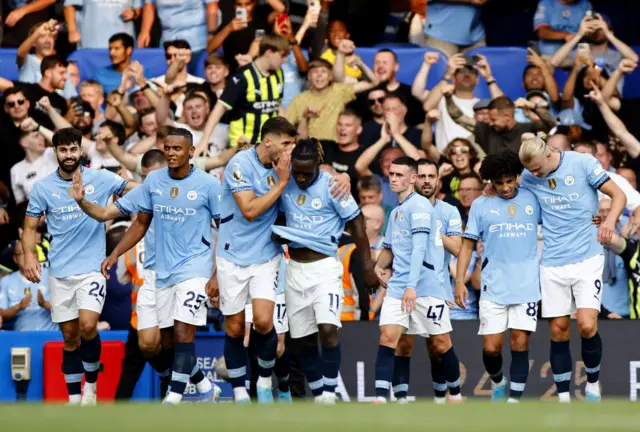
x: 296, y: 61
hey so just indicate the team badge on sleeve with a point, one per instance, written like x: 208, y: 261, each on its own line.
x: 237, y: 175
x: 173, y: 193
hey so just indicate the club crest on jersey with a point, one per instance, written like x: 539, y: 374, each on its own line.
x: 192, y: 195
x: 316, y: 203
x: 528, y: 210
x: 302, y: 198
x: 552, y: 183
x: 271, y: 181
x: 237, y: 175
x: 89, y: 189
x: 401, y: 216
x: 27, y: 291
x: 173, y: 193
x: 511, y: 210
x: 569, y: 180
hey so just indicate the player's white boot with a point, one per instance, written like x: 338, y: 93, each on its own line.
x: 89, y: 395
x: 592, y: 392
x: 564, y: 397
x: 380, y: 400
x: 439, y: 400
x: 327, y: 398
x: 402, y: 401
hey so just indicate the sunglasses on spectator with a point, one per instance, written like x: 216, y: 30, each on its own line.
x: 18, y: 102
x: 375, y: 101
x: 462, y: 149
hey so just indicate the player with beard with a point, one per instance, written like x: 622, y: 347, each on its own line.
x: 76, y: 285
x: 449, y: 227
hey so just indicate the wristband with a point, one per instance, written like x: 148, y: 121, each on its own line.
x: 447, y: 80
x: 146, y: 86
x: 491, y: 82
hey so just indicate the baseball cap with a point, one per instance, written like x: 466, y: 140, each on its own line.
x: 571, y: 117
x: 482, y: 104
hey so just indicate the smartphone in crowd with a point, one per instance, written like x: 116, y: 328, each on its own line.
x: 241, y: 13
x: 259, y: 34
x: 584, y: 48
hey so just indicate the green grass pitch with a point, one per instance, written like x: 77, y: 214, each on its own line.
x: 421, y: 416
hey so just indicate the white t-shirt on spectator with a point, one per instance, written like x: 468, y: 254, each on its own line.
x: 101, y: 160
x: 24, y: 174
x: 218, y: 141
x: 446, y: 128
x: 633, y: 196
x: 191, y: 79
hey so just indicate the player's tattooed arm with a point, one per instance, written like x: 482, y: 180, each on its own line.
x: 464, y: 258
x: 32, y: 270
x: 132, y: 237
x: 357, y: 230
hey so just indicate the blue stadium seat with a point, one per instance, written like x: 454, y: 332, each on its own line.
x: 632, y: 82
x: 8, y: 67
x: 90, y: 60
x: 507, y: 65
x: 410, y: 61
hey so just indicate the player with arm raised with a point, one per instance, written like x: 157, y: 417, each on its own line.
x: 155, y: 338
x: 416, y: 297
x: 180, y: 201
x: 313, y: 282
x: 448, y: 234
x: 566, y: 185
x: 507, y: 224
x: 76, y: 285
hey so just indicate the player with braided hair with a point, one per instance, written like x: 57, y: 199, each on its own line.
x: 315, y: 221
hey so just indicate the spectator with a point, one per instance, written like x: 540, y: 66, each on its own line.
x: 17, y: 108
x: 98, y: 152
x: 190, y: 20
x: 461, y: 156
x: 40, y: 161
x: 371, y: 128
x: 316, y: 110
x: 464, y: 78
x: 296, y: 64
x: 343, y: 153
x: 470, y: 188
x: 248, y: 117
x: 412, y: 27
x: 559, y: 142
x: 388, y: 156
x: 375, y: 217
x: 92, y: 92
x: 147, y: 127
x: 503, y: 132
x: 597, y: 31
x: 26, y: 302
x: 237, y: 35
x: 465, y: 35
x: 538, y: 99
x: 21, y: 16
x: 557, y: 22
x: 538, y: 76
x: 40, y: 44
x: 120, y: 50
x: 98, y: 20
x: 393, y: 133
x: 216, y: 71
x: 629, y: 176
x: 338, y: 32
x: 370, y: 193
x: 74, y: 73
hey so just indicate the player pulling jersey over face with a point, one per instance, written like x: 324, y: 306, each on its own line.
x: 507, y: 224
x: 565, y: 185
x: 78, y: 244
x: 413, y: 291
x: 315, y: 221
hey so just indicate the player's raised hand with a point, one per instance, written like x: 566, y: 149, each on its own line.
x: 108, y: 262
x: 213, y: 291
x: 409, y: 300
x: 605, y: 232
x: 283, y: 167
x: 78, y: 190
x: 342, y: 187
x: 462, y: 294
x: 32, y: 270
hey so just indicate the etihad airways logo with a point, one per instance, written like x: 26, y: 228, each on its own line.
x: 512, y: 230
x: 560, y: 202
x: 176, y: 214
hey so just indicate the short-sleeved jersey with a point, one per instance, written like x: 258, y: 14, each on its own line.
x: 509, y: 232
x: 414, y: 215
x: 13, y: 288
x: 252, y: 99
x: 182, y: 210
x: 449, y: 223
x: 78, y: 242
x: 315, y: 219
x: 240, y: 241
x: 184, y: 19
x: 559, y: 16
x: 130, y: 203
x: 568, y: 199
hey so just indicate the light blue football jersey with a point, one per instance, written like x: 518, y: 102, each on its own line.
x: 130, y: 203
x: 315, y: 219
x: 34, y: 317
x: 77, y: 242
x: 509, y: 233
x: 568, y: 198
x: 281, y: 275
x: 182, y: 210
x: 407, y: 236
x: 240, y: 241
x: 449, y: 223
